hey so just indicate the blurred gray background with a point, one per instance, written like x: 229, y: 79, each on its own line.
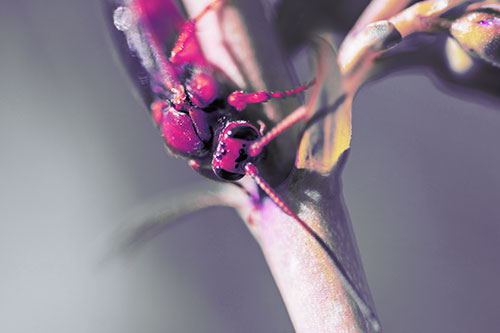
x: 78, y: 151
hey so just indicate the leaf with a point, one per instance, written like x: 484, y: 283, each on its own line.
x: 328, y: 133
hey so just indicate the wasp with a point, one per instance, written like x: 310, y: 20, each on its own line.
x: 199, y: 111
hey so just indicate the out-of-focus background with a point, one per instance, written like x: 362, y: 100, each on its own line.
x: 77, y: 151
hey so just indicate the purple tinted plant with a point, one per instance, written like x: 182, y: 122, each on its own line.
x: 316, y: 265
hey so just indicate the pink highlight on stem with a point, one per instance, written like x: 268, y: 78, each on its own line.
x: 251, y: 170
x: 311, y: 285
x: 343, y: 281
x: 239, y: 99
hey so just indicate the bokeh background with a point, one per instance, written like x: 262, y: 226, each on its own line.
x: 78, y: 151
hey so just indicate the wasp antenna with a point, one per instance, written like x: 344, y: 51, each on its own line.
x: 301, y: 113
x: 251, y: 170
x: 239, y: 99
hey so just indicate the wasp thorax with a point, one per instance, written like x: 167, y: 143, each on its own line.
x: 231, y: 154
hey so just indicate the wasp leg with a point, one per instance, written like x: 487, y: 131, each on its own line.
x: 188, y: 30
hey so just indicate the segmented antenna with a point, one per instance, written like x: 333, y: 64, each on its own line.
x: 239, y: 99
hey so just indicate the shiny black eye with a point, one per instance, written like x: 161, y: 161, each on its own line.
x: 246, y: 133
x: 226, y: 175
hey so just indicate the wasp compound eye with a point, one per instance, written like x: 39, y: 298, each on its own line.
x: 244, y: 132
x: 231, y: 154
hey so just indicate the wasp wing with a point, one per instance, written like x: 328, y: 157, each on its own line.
x: 144, y: 32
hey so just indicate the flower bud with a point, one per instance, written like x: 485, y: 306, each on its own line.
x: 478, y: 33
